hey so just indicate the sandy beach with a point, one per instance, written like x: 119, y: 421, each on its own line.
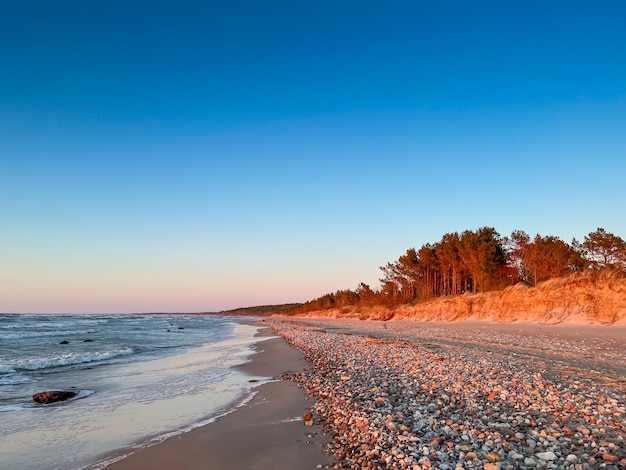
x: 420, y: 395
x: 267, y: 432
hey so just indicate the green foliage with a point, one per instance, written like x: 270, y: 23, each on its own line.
x: 472, y: 261
x: 341, y: 298
x: 482, y: 253
x: 263, y: 310
x: 605, y: 250
x: 546, y: 258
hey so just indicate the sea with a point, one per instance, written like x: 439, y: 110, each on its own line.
x: 138, y: 379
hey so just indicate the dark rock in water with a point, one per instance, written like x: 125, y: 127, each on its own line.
x: 88, y: 341
x: 53, y: 396
x: 181, y: 328
x: 64, y: 342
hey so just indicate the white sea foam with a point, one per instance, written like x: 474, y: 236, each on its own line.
x: 13, y: 379
x: 6, y: 369
x: 162, y: 437
x: 16, y: 407
x: 42, y: 334
x: 68, y: 359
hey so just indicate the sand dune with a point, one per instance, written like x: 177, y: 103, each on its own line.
x: 576, y: 300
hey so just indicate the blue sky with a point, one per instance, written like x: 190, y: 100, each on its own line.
x: 199, y: 156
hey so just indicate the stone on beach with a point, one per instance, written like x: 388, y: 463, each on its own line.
x: 53, y: 396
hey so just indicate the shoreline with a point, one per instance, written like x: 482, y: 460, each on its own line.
x: 136, y: 384
x: 265, y: 432
x: 418, y: 395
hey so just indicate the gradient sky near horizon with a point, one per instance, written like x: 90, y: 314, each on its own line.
x: 205, y: 155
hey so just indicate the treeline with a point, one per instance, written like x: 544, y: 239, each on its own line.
x: 479, y: 261
x: 262, y: 310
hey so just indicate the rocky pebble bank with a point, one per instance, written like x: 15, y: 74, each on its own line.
x: 396, y: 404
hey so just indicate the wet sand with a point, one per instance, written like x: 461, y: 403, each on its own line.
x: 268, y: 432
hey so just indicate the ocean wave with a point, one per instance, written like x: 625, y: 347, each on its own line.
x: 37, y: 334
x: 12, y: 379
x: 69, y: 359
x: 6, y: 369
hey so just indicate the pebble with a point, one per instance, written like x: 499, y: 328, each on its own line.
x: 530, y: 462
x: 389, y: 399
x: 545, y: 456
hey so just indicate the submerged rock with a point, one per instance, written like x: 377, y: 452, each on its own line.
x: 53, y: 396
x: 64, y: 342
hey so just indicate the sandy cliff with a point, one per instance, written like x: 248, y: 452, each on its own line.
x: 568, y: 300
